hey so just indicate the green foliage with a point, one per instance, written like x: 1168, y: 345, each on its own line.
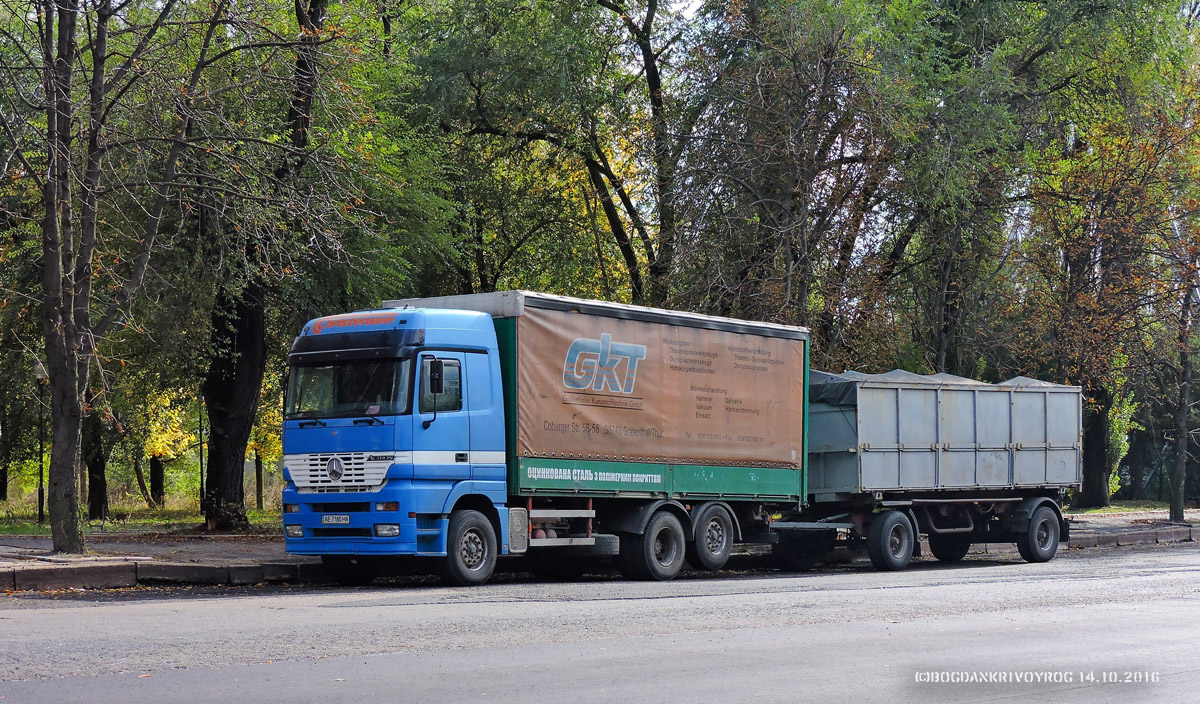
x: 1120, y: 421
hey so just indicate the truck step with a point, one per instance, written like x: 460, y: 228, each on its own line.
x: 561, y: 513
x: 561, y: 541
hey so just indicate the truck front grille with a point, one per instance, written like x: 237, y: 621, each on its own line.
x: 310, y: 472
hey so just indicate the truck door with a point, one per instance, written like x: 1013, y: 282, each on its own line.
x: 484, y: 398
x: 441, y: 433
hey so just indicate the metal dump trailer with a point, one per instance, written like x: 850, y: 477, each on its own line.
x: 963, y: 461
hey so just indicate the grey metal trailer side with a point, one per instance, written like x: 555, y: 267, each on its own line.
x: 896, y: 455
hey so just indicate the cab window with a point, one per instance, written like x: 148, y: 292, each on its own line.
x: 451, y: 400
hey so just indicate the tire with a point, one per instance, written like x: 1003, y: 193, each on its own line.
x: 658, y: 553
x: 949, y: 548
x: 714, y: 539
x: 470, y: 549
x: 890, y: 541
x: 349, y: 571
x: 1039, y: 542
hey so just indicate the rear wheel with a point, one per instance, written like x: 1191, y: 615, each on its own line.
x: 714, y: 539
x: 658, y: 553
x: 470, y: 549
x: 890, y: 541
x: 949, y: 548
x: 350, y: 571
x: 1039, y: 542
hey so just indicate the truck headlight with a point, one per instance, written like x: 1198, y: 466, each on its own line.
x: 291, y: 508
x: 294, y: 531
x: 387, y: 506
x: 387, y: 530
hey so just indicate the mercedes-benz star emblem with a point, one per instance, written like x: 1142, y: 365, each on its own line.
x: 335, y: 469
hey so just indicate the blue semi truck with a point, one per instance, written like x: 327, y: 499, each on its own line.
x: 465, y: 429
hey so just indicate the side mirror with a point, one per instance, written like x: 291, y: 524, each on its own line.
x: 437, y: 376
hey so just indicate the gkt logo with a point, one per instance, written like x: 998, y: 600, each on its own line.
x: 594, y: 363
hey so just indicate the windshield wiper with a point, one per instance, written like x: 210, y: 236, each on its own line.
x: 312, y: 423
x: 368, y: 421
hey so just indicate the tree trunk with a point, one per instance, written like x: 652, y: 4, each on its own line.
x: 4, y: 455
x: 157, y: 481
x: 258, y: 481
x: 95, y: 457
x: 1094, y: 492
x: 141, y: 480
x: 1182, y: 407
x: 231, y: 391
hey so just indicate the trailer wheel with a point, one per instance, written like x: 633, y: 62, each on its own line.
x: 350, y: 571
x: 949, y: 548
x: 658, y: 553
x: 1039, y: 542
x: 714, y: 539
x: 470, y: 549
x: 890, y: 541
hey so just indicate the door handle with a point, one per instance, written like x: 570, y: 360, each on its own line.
x: 460, y: 457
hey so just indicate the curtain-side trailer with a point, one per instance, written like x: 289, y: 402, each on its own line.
x: 467, y: 428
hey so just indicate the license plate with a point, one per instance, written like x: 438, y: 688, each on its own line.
x: 335, y: 519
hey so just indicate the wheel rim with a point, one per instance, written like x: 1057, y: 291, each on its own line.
x: 897, y: 538
x: 665, y: 548
x: 471, y: 549
x: 714, y: 537
x: 1043, y: 538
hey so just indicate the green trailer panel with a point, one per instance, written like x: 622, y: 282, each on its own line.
x: 579, y: 477
x: 764, y: 483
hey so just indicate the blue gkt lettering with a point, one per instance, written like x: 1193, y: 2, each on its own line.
x: 595, y: 364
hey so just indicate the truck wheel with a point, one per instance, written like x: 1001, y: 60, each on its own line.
x: 658, y: 553
x: 714, y: 539
x: 470, y: 549
x: 1039, y: 542
x: 890, y: 541
x: 949, y: 548
x: 350, y: 571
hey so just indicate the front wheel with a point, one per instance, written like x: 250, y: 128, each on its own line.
x: 890, y: 541
x: 1039, y: 542
x: 470, y: 549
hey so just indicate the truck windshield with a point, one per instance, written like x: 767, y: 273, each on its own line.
x: 347, y: 389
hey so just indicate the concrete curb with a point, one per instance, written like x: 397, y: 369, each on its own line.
x: 88, y: 576
x: 8, y: 580
x: 1177, y: 534
x: 181, y: 573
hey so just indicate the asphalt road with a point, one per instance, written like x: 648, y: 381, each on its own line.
x: 1096, y: 626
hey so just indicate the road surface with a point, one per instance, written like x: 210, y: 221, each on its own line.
x: 1091, y: 626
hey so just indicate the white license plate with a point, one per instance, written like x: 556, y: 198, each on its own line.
x: 335, y: 519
